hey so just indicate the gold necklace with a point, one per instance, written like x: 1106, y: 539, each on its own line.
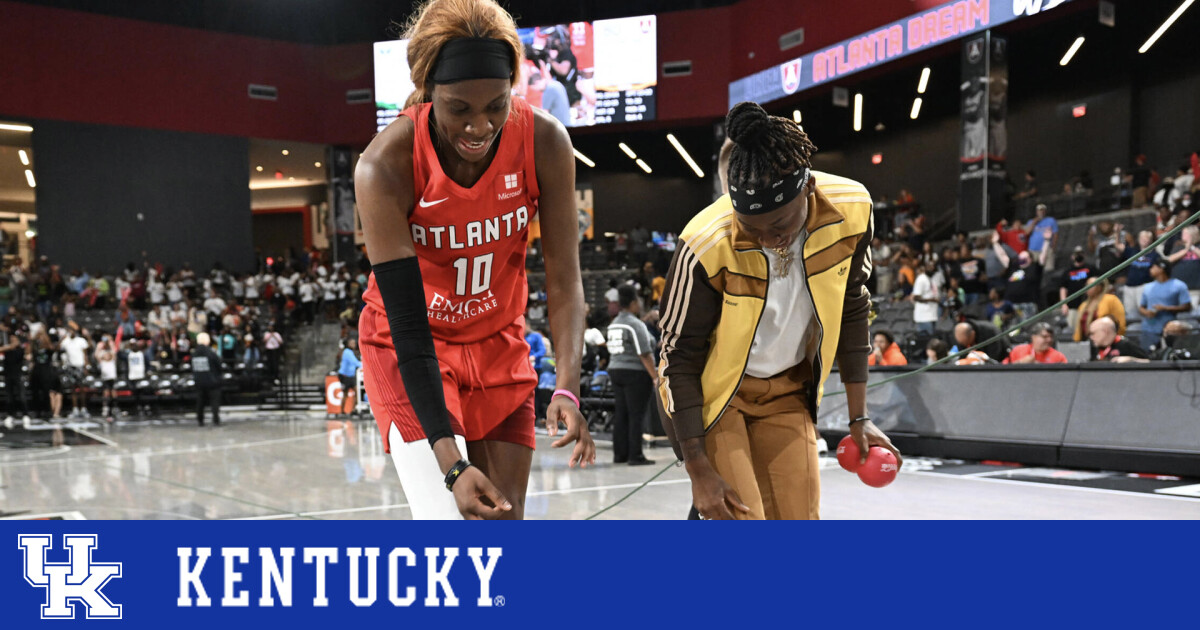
x: 784, y: 265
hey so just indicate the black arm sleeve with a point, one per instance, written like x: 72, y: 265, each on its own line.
x: 403, y: 294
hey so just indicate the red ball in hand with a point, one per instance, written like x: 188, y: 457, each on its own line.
x: 881, y: 468
x: 848, y: 454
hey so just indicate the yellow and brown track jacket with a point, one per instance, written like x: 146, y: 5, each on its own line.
x: 717, y: 288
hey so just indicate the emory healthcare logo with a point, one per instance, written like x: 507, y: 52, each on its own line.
x: 79, y: 580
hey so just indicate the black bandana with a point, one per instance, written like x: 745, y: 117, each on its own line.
x: 472, y: 58
x: 773, y: 197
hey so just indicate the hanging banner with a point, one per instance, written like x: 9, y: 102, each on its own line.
x: 341, y: 193
x: 983, y: 145
x: 917, y: 32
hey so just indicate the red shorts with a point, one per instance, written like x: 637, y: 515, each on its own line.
x: 488, y: 384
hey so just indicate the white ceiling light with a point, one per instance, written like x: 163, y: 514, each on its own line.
x: 24, y: 157
x: 1166, y: 25
x: 686, y: 158
x: 583, y: 158
x: 29, y: 178
x: 858, y: 111
x: 258, y: 168
x: 924, y: 82
x: 796, y: 116
x: 628, y: 151
x: 317, y: 164
x: 12, y: 127
x: 1071, y: 51
x: 285, y: 151
x: 916, y: 109
x: 645, y: 167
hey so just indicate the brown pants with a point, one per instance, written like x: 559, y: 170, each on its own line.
x: 765, y: 447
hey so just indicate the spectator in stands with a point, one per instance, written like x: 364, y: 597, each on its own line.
x: 971, y: 276
x: 995, y: 270
x: 537, y: 344
x: 75, y: 347
x: 936, y: 350
x: 882, y: 272
x: 1013, y: 235
x: 1139, y: 180
x: 595, y: 353
x: 1138, y: 273
x: 197, y: 320
x: 227, y: 344
x: 1074, y: 279
x: 1040, y: 348
x: 1162, y: 300
x: 206, y: 371
x: 126, y: 322
x: 999, y: 310
x: 106, y: 358
x: 612, y: 297
x: 1102, y: 243
x: 45, y: 382
x: 971, y: 332
x: 251, y: 355
x: 1030, y: 190
x: 1108, y: 344
x: 632, y: 370
x: 348, y: 373
x: 885, y: 350
x: 1024, y: 280
x: 1100, y: 304
x: 1171, y: 347
x: 925, y: 298
x: 135, y: 373
x: 1185, y: 261
x: 14, y: 344
x: 1036, y: 233
x: 907, y: 273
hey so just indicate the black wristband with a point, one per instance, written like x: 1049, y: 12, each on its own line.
x: 859, y: 419
x: 456, y: 470
x: 403, y: 294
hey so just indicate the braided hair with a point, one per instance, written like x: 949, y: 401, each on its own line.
x: 766, y: 148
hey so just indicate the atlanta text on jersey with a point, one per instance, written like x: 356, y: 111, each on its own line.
x: 355, y: 570
x: 476, y: 233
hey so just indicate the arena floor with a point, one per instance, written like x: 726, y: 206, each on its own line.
x: 274, y: 466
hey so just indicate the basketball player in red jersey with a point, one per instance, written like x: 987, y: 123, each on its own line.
x: 446, y: 193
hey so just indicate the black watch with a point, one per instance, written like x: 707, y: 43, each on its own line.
x: 456, y: 470
x: 859, y: 419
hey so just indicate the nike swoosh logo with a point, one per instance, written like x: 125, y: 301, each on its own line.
x: 425, y: 204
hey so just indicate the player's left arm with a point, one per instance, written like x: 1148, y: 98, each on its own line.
x: 554, y: 160
x: 854, y: 345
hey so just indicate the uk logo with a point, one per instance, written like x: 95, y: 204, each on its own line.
x: 791, y: 76
x: 77, y: 581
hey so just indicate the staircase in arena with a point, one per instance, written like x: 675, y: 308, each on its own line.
x: 312, y: 353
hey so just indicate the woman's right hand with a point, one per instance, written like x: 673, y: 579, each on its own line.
x: 713, y: 497
x: 471, y: 487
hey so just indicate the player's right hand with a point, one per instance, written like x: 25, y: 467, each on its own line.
x: 470, y: 489
x: 713, y: 497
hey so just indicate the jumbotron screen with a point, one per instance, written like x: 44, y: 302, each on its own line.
x: 583, y: 73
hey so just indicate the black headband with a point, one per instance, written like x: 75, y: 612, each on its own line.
x: 773, y: 197
x: 473, y: 58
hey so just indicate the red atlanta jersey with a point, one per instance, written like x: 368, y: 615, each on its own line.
x: 471, y: 242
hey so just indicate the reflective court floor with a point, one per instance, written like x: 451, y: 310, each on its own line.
x: 299, y: 466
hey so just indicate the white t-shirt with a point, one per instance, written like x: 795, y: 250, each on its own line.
x: 137, y: 366
x: 924, y: 311
x: 76, y: 347
x: 251, y: 288
x: 612, y: 295
x: 108, y: 369
x: 174, y: 293
x: 593, y: 337
x: 214, y: 305
x: 785, y: 329
x: 157, y: 292
x: 306, y: 292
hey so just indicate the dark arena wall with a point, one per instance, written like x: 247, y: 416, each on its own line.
x: 108, y: 196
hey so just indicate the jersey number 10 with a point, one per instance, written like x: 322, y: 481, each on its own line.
x: 480, y: 271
